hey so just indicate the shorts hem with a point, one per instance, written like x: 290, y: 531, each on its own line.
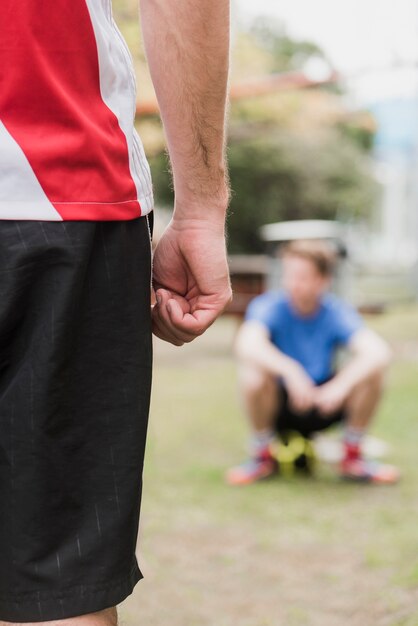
x: 307, y: 424
x: 79, y: 600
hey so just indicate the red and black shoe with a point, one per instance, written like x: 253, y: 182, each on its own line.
x: 356, y: 468
x: 257, y: 468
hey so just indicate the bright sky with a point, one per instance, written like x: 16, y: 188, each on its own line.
x: 355, y: 34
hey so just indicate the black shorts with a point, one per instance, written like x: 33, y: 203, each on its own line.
x: 307, y: 423
x: 75, y: 383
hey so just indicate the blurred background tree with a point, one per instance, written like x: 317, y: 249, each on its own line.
x: 293, y: 154
x: 284, y: 53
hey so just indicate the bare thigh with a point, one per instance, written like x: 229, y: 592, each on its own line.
x: 107, y: 617
x: 259, y: 395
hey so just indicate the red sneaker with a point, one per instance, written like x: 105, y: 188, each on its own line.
x: 364, y: 470
x: 263, y: 466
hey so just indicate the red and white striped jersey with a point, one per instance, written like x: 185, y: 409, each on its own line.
x: 68, y: 146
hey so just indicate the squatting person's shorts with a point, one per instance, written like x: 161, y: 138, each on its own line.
x: 307, y: 423
x: 75, y: 383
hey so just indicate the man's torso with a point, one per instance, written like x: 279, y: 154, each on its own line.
x: 68, y: 147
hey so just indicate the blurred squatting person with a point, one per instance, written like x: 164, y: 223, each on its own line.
x: 76, y: 321
x: 285, y: 349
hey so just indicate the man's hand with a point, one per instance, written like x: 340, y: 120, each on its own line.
x: 300, y: 387
x: 187, y: 49
x: 330, y: 396
x: 190, y: 279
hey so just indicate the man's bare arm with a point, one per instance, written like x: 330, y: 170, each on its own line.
x: 253, y: 346
x: 370, y: 355
x: 187, y: 48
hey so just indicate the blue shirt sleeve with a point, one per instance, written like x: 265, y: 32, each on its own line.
x: 262, y: 309
x: 346, y: 321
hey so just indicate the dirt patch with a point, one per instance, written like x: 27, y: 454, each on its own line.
x: 217, y: 576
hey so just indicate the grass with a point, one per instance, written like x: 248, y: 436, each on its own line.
x: 283, y: 552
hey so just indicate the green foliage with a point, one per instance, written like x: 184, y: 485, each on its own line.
x: 286, y: 54
x: 283, y: 177
x: 161, y: 177
x: 287, y: 159
x: 360, y: 134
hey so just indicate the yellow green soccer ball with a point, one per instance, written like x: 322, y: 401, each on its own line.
x: 294, y: 453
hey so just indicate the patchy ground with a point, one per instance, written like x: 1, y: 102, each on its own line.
x: 294, y: 552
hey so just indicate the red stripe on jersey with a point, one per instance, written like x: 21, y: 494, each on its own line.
x: 50, y: 102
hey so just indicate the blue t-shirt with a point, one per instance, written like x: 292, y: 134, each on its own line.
x: 310, y: 340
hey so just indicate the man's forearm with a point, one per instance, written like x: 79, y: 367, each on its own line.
x: 187, y: 48
x: 359, y: 368
x: 265, y: 355
x: 373, y: 356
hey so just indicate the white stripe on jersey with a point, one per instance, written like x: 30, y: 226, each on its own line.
x: 118, y: 90
x: 18, y: 183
